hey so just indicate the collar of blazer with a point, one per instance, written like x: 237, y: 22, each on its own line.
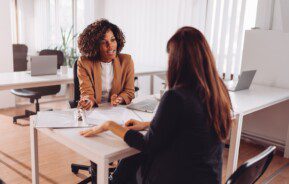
x: 116, y: 83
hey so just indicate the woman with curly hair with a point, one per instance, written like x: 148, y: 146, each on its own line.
x: 104, y: 73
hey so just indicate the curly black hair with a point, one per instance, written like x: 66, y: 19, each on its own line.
x: 89, y: 40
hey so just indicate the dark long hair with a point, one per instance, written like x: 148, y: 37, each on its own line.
x: 191, y: 64
x: 89, y: 40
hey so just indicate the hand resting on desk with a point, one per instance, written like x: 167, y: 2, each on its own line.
x: 133, y: 124
x: 115, y: 128
x: 108, y: 125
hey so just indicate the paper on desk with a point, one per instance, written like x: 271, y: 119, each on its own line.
x: 106, y: 112
x: 57, y: 119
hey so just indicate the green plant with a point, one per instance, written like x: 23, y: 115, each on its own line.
x: 70, y: 53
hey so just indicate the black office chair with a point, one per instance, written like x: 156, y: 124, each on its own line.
x: 34, y: 94
x: 253, y: 169
x: 136, y: 88
x: 20, y: 57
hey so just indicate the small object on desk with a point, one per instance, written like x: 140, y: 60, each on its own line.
x: 59, y: 119
x: 78, y: 114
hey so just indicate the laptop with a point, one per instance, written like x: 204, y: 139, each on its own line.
x: 148, y: 105
x: 43, y: 65
x: 244, y: 81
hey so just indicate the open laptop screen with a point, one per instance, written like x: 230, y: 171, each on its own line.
x: 43, y: 65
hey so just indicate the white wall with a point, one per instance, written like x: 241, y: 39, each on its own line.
x: 273, y: 15
x: 6, y: 61
x: 271, y: 124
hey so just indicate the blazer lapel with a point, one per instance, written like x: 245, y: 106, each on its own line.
x: 97, y: 79
x: 116, y: 83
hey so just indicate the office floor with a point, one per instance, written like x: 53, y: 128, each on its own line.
x: 55, y: 159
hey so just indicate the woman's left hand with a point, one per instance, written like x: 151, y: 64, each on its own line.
x: 96, y: 129
x: 116, y: 100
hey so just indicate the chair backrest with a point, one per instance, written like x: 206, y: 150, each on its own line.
x: 253, y: 169
x: 20, y: 57
x: 74, y: 102
x: 60, y: 55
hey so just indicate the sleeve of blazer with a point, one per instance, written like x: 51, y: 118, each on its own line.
x: 163, y: 126
x: 128, y: 89
x: 85, y: 82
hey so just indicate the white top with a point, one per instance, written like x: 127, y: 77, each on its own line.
x: 106, y: 80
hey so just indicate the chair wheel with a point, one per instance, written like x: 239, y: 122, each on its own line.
x: 74, y: 170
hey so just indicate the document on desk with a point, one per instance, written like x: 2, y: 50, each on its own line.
x: 107, y: 112
x: 58, y: 119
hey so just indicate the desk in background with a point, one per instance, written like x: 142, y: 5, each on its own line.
x: 18, y: 80
x: 246, y: 102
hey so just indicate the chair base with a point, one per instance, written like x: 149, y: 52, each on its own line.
x: 27, y: 114
x: 92, y: 169
x: 76, y: 167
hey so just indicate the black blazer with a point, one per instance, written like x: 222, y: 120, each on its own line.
x: 180, y: 146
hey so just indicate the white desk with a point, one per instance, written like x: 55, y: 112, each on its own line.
x: 246, y: 102
x: 101, y: 149
x: 106, y: 148
x: 17, y: 80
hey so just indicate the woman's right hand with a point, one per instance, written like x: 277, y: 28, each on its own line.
x: 85, y: 103
x: 133, y: 124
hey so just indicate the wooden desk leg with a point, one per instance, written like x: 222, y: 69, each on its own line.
x: 152, y: 84
x: 234, y: 145
x: 34, y: 153
x: 102, y: 172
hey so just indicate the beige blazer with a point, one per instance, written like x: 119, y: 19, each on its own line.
x: 89, y: 75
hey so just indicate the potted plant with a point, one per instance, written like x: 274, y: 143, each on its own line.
x: 70, y: 53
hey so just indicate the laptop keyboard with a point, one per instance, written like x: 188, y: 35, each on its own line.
x: 148, y: 105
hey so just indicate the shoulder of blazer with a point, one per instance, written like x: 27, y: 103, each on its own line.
x: 125, y: 59
x: 84, y: 61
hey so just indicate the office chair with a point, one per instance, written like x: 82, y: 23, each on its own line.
x: 250, y: 171
x: 136, y: 88
x: 34, y: 94
x: 20, y: 57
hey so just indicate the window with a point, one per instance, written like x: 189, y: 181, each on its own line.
x: 38, y: 23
